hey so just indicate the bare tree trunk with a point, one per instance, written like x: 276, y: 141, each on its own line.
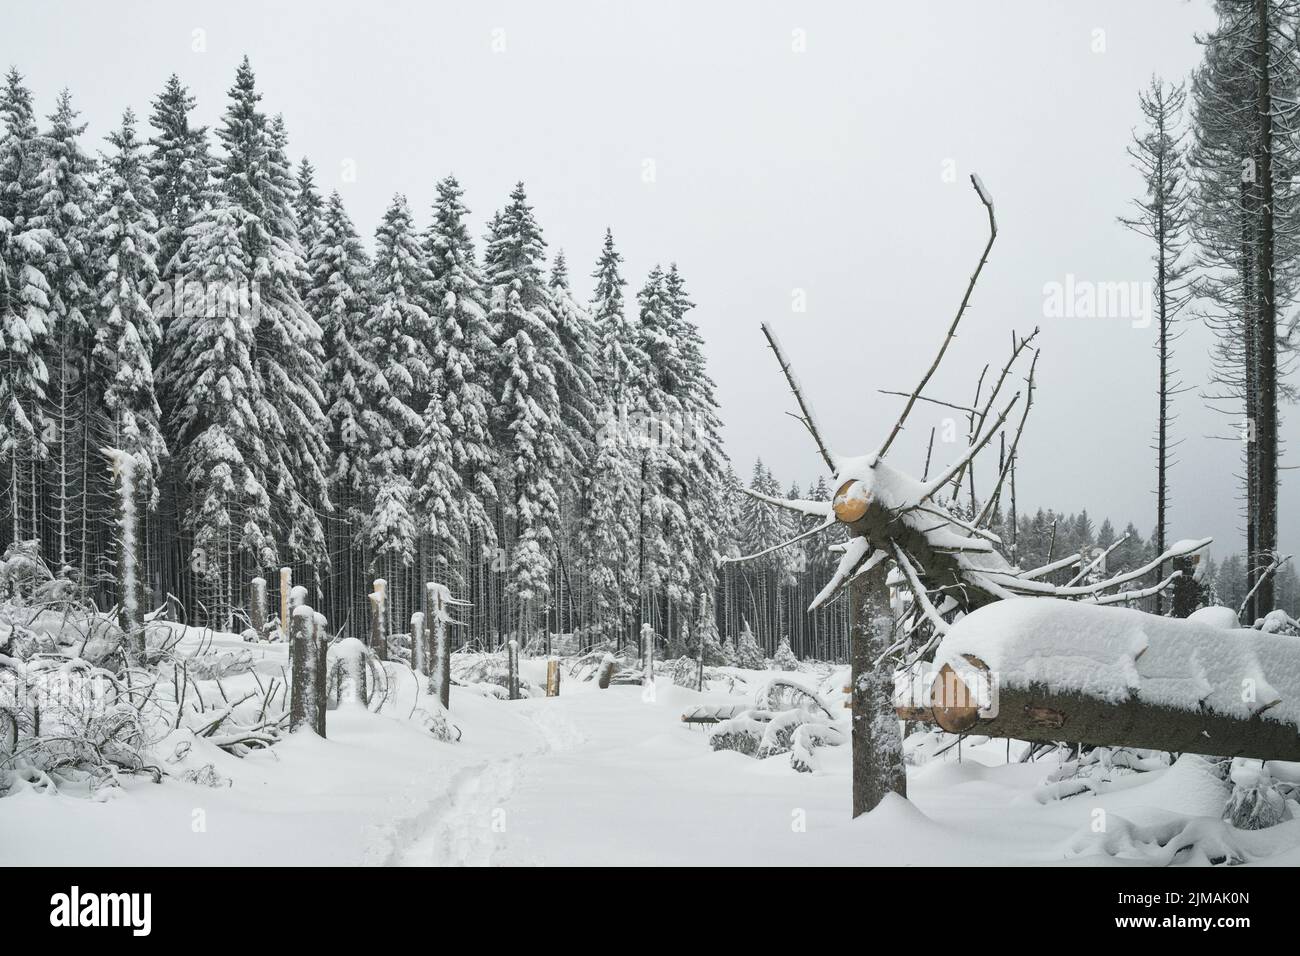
x: 307, y: 674
x: 512, y: 664
x: 1266, y: 338
x: 877, y: 742
x: 379, y: 619
x: 257, y: 606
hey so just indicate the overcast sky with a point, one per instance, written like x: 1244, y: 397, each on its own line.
x: 766, y: 148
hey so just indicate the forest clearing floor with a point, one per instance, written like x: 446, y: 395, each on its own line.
x: 608, y: 777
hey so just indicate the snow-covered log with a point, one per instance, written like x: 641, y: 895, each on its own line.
x: 1050, y: 670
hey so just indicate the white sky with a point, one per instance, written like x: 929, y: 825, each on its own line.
x: 774, y: 170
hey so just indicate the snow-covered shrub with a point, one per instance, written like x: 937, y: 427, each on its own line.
x: 729, y: 658
x: 806, y: 738
x: 780, y: 694
x: 743, y: 734
x: 784, y: 659
x: 684, y: 672
x: 1257, y: 802
x: 434, y: 718
x: 206, y: 776
x: 776, y: 737
x: 1279, y: 622
x: 748, y: 654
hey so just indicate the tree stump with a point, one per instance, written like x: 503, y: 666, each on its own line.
x: 307, y: 684
x: 286, y: 586
x: 878, y: 767
x: 419, y: 645
x: 257, y: 607
x: 379, y: 620
x: 512, y: 665
x: 439, y: 638
x: 552, y: 678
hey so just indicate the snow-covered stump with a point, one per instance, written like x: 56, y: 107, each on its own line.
x: 419, y: 644
x: 379, y: 619
x: 307, y: 676
x: 130, y: 586
x: 648, y: 643
x: 257, y: 607
x: 878, y: 767
x: 286, y: 588
x: 512, y: 663
x: 552, y: 678
x: 437, y: 598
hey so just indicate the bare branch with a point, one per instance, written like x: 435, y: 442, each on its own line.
x: 952, y: 329
x: 809, y: 419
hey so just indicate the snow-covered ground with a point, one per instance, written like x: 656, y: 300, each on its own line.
x: 609, y: 777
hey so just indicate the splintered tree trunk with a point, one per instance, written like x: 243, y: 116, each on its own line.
x: 257, y: 606
x: 877, y: 742
x: 379, y: 620
x: 419, y: 645
x: 307, y: 673
x: 286, y: 587
x: 130, y: 586
x: 552, y: 678
x: 439, y: 642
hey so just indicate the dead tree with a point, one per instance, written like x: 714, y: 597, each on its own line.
x: 379, y: 619
x: 512, y: 668
x: 952, y: 566
x: 877, y: 746
x: 419, y: 645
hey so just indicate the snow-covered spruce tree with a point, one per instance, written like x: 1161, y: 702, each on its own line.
x: 289, y: 360
x: 210, y: 386
x: 703, y: 465
x: 748, y: 654
x: 528, y: 421
x: 1244, y: 205
x: 308, y: 206
x: 463, y: 361
x: 63, y: 214
x: 1162, y: 217
x: 784, y: 659
x: 439, y: 495
x: 178, y: 168
x: 398, y: 330
x: 25, y: 321
x: 127, y: 334
x: 613, y: 486
x: 579, y: 404
x: 339, y: 299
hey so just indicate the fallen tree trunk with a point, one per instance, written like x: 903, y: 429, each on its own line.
x: 1045, y: 670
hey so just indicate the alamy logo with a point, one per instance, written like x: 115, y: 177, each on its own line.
x: 102, y: 909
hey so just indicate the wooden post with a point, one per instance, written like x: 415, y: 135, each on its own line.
x: 286, y: 585
x: 419, y: 645
x: 379, y: 620
x: 878, y: 767
x: 257, y: 607
x: 512, y: 664
x: 552, y: 678
x: 307, y: 674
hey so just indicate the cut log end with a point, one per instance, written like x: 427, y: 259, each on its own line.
x: 850, y: 502
x: 955, y: 706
